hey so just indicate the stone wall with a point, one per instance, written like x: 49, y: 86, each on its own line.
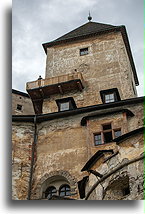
x: 22, y: 139
x: 125, y: 183
x: 25, y: 102
x: 106, y: 66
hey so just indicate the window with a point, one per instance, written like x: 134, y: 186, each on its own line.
x: 110, y: 95
x: 98, y: 139
x: 19, y: 107
x: 107, y: 126
x: 50, y: 191
x: 66, y: 104
x: 106, y: 135
x: 109, y: 98
x: 83, y: 51
x: 64, y: 190
x: 117, y: 133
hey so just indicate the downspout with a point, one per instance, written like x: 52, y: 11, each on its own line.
x: 32, y: 158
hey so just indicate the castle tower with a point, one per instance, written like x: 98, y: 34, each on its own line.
x: 90, y: 65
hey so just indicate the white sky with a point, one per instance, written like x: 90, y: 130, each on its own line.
x: 36, y: 22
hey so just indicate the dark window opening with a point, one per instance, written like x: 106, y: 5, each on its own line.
x: 19, y: 107
x: 107, y: 137
x: 107, y: 126
x: 98, y: 139
x: 64, y: 190
x: 84, y: 51
x: 50, y: 191
x: 66, y: 104
x: 126, y: 191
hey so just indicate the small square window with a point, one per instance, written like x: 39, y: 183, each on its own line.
x: 84, y: 51
x: 19, y: 107
x: 109, y: 98
x: 98, y: 139
x: 110, y: 95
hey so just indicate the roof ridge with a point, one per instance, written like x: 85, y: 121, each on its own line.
x: 83, y: 26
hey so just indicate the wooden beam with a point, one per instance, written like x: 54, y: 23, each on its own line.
x: 41, y: 92
x: 79, y: 85
x: 60, y: 89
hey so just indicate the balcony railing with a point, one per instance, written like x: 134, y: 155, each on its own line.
x: 54, y: 80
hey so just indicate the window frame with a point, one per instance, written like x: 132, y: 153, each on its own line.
x: 65, y: 190
x: 19, y: 105
x: 51, y: 193
x: 95, y: 134
x: 114, y: 91
x: 84, y: 51
x: 70, y: 100
x: 112, y: 130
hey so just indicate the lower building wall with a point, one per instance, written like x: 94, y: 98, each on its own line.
x: 22, y: 139
x: 63, y: 148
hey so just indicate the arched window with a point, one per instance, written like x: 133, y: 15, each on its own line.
x: 50, y: 191
x: 64, y: 190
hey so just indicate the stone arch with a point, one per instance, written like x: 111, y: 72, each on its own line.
x: 57, y: 174
x: 118, y: 187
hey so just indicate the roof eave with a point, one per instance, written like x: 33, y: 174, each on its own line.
x: 63, y: 114
x: 55, y: 42
x: 128, y: 49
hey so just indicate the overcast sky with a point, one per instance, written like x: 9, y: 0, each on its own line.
x: 39, y: 21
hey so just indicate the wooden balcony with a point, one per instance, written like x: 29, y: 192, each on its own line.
x: 44, y: 88
x: 56, y: 85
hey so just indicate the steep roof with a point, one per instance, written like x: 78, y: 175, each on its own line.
x: 86, y: 29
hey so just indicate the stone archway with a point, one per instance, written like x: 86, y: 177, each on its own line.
x: 118, y: 188
x: 63, y: 174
